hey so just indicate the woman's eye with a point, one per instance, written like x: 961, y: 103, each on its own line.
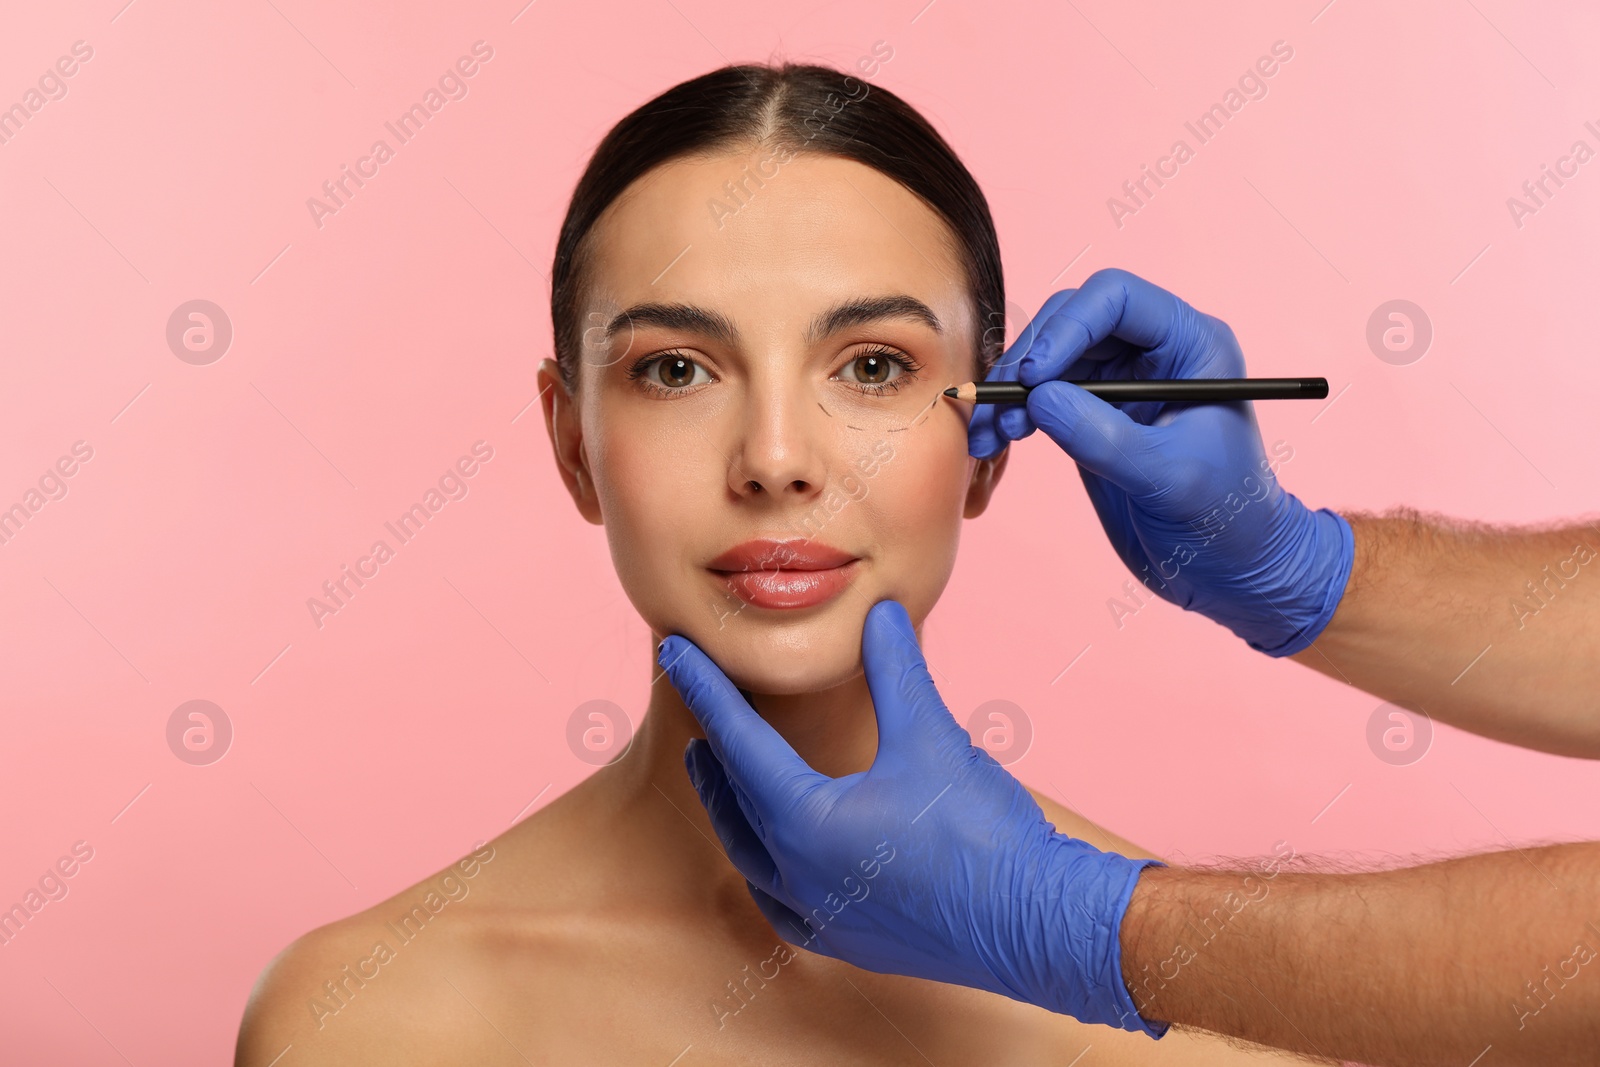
x: 672, y: 372
x: 877, y: 368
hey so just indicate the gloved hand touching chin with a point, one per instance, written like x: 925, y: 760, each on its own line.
x: 1186, y: 493
x: 934, y: 863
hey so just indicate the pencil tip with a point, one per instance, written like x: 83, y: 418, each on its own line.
x: 952, y: 391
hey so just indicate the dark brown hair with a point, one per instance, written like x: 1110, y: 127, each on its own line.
x: 801, y: 107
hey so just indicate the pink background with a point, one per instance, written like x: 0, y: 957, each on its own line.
x: 369, y: 353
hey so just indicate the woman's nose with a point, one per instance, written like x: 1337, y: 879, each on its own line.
x: 779, y: 449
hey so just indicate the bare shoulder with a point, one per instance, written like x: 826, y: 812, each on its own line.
x: 344, y: 992
x: 405, y: 980
x: 282, y: 1012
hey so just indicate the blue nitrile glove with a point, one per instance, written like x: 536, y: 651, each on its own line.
x: 934, y: 863
x: 1185, y: 492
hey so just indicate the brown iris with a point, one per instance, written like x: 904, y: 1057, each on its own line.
x: 869, y: 377
x: 672, y: 367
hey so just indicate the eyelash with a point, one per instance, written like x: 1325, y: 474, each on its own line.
x: 909, y: 365
x: 639, y: 370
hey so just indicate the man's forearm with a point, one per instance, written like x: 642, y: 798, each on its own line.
x: 1496, y: 631
x: 1424, y: 965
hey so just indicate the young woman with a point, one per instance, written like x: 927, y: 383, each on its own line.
x: 766, y: 278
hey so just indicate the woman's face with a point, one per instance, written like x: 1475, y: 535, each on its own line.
x: 778, y: 378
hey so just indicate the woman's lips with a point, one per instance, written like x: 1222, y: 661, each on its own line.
x: 793, y: 573
x: 781, y: 588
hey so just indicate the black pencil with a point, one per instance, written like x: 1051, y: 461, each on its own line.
x: 1171, y: 389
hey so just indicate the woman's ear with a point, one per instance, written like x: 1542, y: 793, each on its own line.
x: 985, y: 476
x: 566, y: 437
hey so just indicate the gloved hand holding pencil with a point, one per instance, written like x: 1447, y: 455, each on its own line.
x: 1186, y: 492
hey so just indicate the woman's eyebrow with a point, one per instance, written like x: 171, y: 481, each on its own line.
x: 871, y: 309
x: 692, y: 319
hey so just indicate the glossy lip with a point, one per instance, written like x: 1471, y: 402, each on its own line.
x: 785, y: 574
x: 764, y: 554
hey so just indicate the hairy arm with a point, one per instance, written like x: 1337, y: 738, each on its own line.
x: 1424, y: 965
x: 1493, y: 630
x: 1192, y: 1047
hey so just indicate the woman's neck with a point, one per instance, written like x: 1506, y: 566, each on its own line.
x: 834, y: 730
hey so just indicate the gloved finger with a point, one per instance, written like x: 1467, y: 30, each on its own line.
x: 729, y: 819
x: 985, y: 437
x: 1117, y: 360
x: 745, y: 850
x: 1102, y: 439
x: 1109, y: 303
x: 768, y: 772
x: 1014, y: 421
x: 786, y: 922
x: 1031, y: 333
x: 907, y: 703
x: 1111, y: 359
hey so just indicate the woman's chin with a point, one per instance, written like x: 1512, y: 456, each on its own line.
x: 789, y: 661
x: 815, y: 678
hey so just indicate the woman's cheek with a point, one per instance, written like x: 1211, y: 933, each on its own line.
x: 917, y: 505
x: 647, y: 506
x: 652, y: 490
